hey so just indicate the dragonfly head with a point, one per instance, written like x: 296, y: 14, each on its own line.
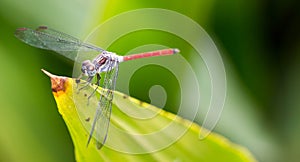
x: 88, y: 68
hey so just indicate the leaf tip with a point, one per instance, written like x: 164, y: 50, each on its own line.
x: 57, y: 82
x: 47, y: 73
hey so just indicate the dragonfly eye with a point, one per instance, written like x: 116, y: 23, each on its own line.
x: 91, y: 67
x: 88, y: 68
x: 86, y: 63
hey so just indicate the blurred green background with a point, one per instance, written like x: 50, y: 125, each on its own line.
x: 259, y: 42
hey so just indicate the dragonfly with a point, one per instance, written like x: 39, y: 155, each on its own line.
x: 105, y: 62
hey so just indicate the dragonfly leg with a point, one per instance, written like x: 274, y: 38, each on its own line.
x: 77, y: 80
x: 88, y: 82
x: 98, y: 84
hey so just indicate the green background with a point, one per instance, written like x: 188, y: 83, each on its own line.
x: 259, y: 42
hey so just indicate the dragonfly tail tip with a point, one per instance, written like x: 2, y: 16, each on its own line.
x: 176, y: 50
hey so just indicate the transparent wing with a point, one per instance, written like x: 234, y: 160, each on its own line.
x: 101, y: 120
x: 46, y: 38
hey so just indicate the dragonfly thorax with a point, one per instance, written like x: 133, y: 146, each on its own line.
x: 105, y: 61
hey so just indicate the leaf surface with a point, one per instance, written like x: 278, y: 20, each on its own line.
x: 138, y: 131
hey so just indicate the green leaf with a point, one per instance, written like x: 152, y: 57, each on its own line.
x: 138, y: 131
